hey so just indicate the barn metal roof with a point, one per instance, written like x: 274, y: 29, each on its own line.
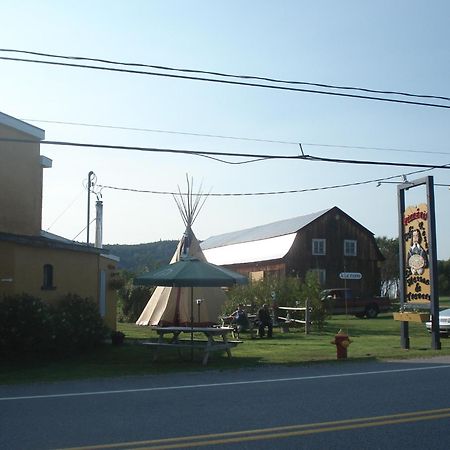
x: 261, y: 250
x: 271, y: 230
x: 261, y: 243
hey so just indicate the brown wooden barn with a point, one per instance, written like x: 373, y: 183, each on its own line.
x: 328, y: 242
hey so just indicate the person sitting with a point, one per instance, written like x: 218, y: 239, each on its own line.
x: 265, y: 320
x: 240, y: 319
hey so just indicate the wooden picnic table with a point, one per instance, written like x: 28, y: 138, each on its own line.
x: 207, y: 346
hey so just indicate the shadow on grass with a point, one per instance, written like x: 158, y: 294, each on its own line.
x: 372, y: 338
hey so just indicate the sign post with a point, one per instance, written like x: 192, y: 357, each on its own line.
x: 418, y: 259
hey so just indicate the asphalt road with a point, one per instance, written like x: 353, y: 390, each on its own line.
x: 346, y: 405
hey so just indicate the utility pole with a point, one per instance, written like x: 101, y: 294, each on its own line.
x: 89, y: 185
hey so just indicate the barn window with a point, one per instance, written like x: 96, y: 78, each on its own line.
x: 321, y: 275
x: 256, y: 276
x: 48, y: 277
x: 319, y: 247
x: 350, y: 247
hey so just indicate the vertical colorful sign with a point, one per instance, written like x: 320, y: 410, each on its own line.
x: 417, y: 264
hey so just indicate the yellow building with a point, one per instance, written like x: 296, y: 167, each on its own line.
x: 33, y: 261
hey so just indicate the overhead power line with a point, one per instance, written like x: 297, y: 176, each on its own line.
x: 229, y: 82
x: 203, y: 153
x: 225, y: 75
x: 250, y: 194
x: 238, y: 138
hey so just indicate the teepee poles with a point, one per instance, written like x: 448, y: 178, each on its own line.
x: 189, y: 205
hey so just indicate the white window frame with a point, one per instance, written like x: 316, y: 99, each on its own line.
x: 321, y: 275
x: 350, y: 247
x: 318, y: 245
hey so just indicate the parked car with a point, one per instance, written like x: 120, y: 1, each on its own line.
x: 444, y: 322
x: 345, y: 301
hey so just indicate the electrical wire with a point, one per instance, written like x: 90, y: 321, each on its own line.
x: 250, y: 194
x: 65, y: 210
x: 225, y: 75
x: 90, y: 223
x: 239, y: 138
x: 202, y: 153
x: 236, y: 83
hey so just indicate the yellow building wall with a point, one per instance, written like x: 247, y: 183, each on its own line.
x: 21, y: 182
x: 73, y: 272
x: 110, y: 267
x: 6, y: 268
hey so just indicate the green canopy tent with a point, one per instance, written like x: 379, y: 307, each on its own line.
x: 191, y: 272
x: 170, y: 303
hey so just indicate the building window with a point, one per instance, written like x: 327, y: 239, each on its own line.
x: 256, y: 276
x: 319, y: 247
x: 321, y: 275
x: 48, y: 277
x: 350, y: 247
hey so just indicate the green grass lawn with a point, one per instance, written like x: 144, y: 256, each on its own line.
x: 371, y: 339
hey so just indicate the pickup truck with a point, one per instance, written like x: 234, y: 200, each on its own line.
x: 345, y: 301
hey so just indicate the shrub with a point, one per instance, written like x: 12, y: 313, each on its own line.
x: 132, y: 301
x: 311, y: 290
x: 25, y: 324
x: 289, y: 291
x: 77, y: 324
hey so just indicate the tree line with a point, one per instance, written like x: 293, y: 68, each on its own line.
x: 390, y: 270
x: 135, y: 259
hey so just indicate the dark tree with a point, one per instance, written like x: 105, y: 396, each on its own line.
x: 389, y: 269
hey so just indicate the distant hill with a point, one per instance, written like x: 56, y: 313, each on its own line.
x: 140, y: 257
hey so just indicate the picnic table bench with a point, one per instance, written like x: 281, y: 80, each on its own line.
x: 207, y: 346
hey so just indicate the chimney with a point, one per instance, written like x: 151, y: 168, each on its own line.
x: 99, y: 224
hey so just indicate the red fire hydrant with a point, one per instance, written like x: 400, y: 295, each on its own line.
x: 342, y: 341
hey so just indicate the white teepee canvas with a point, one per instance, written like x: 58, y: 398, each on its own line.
x: 172, y: 305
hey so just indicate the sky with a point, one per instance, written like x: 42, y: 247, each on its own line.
x: 384, y: 45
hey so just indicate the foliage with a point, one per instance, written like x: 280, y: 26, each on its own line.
x: 77, y: 324
x: 117, y: 280
x: 289, y: 291
x: 25, y: 324
x: 389, y: 270
x: 444, y: 277
x: 143, y: 257
x: 132, y: 301
x: 311, y: 290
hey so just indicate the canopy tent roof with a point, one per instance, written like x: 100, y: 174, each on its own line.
x: 191, y: 272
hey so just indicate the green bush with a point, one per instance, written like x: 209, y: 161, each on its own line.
x: 132, y: 301
x: 289, y: 291
x: 27, y: 325
x: 25, y: 322
x: 311, y: 290
x: 77, y: 324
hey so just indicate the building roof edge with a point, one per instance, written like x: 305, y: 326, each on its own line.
x: 22, y: 126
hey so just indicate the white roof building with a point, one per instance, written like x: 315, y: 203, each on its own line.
x: 261, y: 243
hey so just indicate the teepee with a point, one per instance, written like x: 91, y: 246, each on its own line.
x: 171, y: 306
